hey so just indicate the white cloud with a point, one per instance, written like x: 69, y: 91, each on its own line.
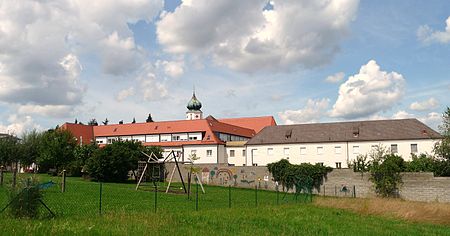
x: 403, y: 115
x: 150, y: 87
x: 432, y: 119
x: 172, y: 68
x: 18, y: 124
x: 41, y: 43
x: 336, y: 78
x: 124, y: 94
x: 429, y: 104
x: 428, y: 35
x: 60, y: 111
x: 242, y: 36
x: 312, y: 112
x: 368, y: 92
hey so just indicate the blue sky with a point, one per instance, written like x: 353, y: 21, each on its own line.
x: 299, y: 61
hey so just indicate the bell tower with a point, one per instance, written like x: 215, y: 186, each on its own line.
x: 194, y: 106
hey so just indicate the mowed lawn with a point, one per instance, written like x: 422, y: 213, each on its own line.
x: 126, y: 211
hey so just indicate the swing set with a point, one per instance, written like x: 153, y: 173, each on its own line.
x: 157, y: 170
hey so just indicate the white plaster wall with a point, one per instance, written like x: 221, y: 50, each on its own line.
x: 152, y: 138
x: 201, y: 151
x: 261, y: 157
x: 238, y: 159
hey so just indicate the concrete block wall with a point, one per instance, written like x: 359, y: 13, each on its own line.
x: 340, y: 182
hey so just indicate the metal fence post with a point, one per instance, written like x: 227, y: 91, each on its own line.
x: 335, y: 190
x: 156, y: 197
x: 196, y: 194
x: 100, y: 202
x: 1, y: 175
x: 323, y: 190
x: 229, y: 196
x: 354, y: 191
x: 63, y: 184
x: 14, y: 177
x: 256, y: 195
x: 278, y: 196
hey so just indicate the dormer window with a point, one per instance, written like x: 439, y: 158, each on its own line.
x: 355, y: 132
x: 288, y: 133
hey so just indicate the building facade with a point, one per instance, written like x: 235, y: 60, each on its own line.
x: 337, y: 144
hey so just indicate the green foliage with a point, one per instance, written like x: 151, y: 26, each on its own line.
x: 360, y: 164
x: 112, y: 163
x: 421, y: 163
x: 31, y: 142
x: 9, y: 150
x: 81, y: 154
x: 158, y: 151
x: 303, y: 177
x: 385, y: 174
x: 56, y: 150
x: 442, y: 148
x: 25, y: 199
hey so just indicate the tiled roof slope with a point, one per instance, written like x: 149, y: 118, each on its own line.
x: 254, y: 123
x: 79, y: 130
x: 376, y: 130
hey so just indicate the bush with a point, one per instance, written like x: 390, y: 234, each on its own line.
x: 301, y: 177
x: 25, y: 199
x: 421, y: 163
x: 112, y: 163
x: 386, y: 175
x: 81, y: 155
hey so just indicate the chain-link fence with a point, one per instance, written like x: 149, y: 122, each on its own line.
x: 79, y: 197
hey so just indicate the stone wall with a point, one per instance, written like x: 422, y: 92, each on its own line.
x: 340, y: 182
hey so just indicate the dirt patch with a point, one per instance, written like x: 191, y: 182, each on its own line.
x: 433, y: 212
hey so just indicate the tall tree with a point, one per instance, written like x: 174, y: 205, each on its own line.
x: 105, y: 122
x: 442, y: 148
x: 149, y: 118
x: 134, y: 121
x: 56, y: 150
x: 93, y: 122
x: 9, y: 150
x: 31, y: 141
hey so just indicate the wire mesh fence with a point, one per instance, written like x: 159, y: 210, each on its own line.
x: 78, y: 197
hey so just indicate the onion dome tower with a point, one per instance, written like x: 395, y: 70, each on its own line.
x: 194, y: 106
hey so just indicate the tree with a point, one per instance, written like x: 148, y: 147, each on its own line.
x: 9, y: 150
x: 120, y: 122
x: 113, y: 162
x: 81, y: 154
x: 93, y: 122
x: 149, y: 118
x: 76, y: 121
x: 105, y: 122
x: 442, y: 148
x: 31, y: 142
x: 134, y: 121
x: 386, y: 175
x: 56, y: 150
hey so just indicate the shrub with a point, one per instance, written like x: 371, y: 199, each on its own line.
x: 421, y: 163
x: 112, y: 163
x: 385, y: 174
x: 303, y: 177
x: 25, y: 199
x: 81, y: 155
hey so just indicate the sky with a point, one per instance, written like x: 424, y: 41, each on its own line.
x: 296, y: 60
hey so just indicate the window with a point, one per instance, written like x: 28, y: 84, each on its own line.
x: 176, y: 137
x: 231, y: 153
x: 269, y: 151
x: 99, y: 141
x: 337, y: 150
x: 302, y: 150
x: 355, y: 149
x: 286, y: 151
x: 338, y: 165
x: 243, y: 153
x: 374, y: 146
x: 193, y: 152
x: 208, y: 153
x: 394, y: 148
x: 320, y: 163
x: 255, y: 164
x: 193, y: 138
x: 414, y: 148
x: 320, y: 150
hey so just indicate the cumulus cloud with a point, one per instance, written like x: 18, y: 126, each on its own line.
x: 60, y: 111
x: 18, y: 124
x: 244, y: 37
x: 41, y: 43
x: 432, y: 119
x: 150, y: 87
x: 172, y: 68
x: 429, y: 104
x: 336, y: 78
x: 124, y: 94
x: 428, y: 35
x: 312, y: 112
x: 368, y: 92
x: 403, y: 115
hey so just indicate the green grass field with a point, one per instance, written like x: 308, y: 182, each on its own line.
x: 130, y: 212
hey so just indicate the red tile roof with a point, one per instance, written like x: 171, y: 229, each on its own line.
x: 79, y: 130
x: 254, y: 123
